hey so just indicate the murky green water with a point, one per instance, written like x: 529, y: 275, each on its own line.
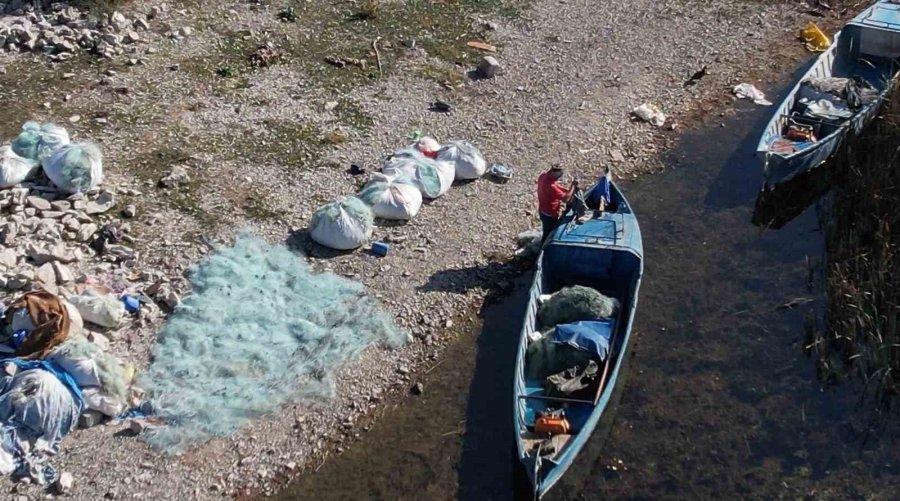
x: 719, y: 400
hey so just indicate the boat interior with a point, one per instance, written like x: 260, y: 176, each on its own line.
x: 614, y: 273
x: 860, y: 59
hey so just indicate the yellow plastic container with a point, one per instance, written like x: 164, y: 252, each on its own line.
x: 814, y: 38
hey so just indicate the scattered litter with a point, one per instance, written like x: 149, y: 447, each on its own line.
x: 232, y: 354
x: 380, y: 249
x: 342, y: 62
x: 343, y: 225
x: 650, y: 113
x: 500, y: 172
x: 749, y: 91
x: 441, y: 107
x: 132, y: 304
x: 477, y: 44
x: 814, y: 39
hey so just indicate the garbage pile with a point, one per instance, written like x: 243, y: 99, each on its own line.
x: 258, y: 330
x: 62, y: 31
x: 423, y: 171
x: 52, y: 377
x: 54, y: 213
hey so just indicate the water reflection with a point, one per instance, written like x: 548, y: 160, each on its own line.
x: 778, y: 206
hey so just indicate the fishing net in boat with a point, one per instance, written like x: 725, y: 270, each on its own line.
x: 546, y: 357
x: 572, y: 304
x: 258, y: 330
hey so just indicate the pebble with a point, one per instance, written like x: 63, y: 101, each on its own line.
x: 488, y: 67
x: 38, y: 203
x: 75, y: 119
x: 129, y: 211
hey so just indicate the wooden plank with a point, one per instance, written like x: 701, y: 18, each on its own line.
x: 556, y: 399
x: 477, y: 44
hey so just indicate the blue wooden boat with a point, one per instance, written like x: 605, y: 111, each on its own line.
x: 603, y: 252
x: 868, y: 48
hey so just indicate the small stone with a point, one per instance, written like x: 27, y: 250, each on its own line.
x: 75, y: 119
x: 63, y: 274
x: 616, y: 156
x: 141, y: 24
x: 52, y: 214
x: 46, y: 275
x: 418, y: 389
x: 131, y: 37
x: 176, y: 177
x: 8, y: 258
x: 129, y: 211
x: 402, y: 371
x: 102, y: 204
x: 90, y: 418
x: 61, y: 205
x: 290, y: 466
x: 186, y: 31
x: 488, y: 67
x: 331, y: 105
x: 38, y: 203
x: 86, y: 232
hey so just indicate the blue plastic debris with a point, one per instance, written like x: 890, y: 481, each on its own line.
x: 380, y: 249
x: 132, y: 304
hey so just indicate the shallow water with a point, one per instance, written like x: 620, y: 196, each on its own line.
x: 719, y: 399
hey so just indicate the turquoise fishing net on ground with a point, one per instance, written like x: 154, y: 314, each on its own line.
x: 258, y: 330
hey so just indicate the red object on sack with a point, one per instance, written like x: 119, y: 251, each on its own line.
x: 431, y: 154
x: 552, y: 425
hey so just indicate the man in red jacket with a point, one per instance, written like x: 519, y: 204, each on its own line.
x: 552, y: 198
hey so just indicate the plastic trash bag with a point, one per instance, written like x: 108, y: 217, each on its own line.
x: 434, y: 178
x: 38, y: 142
x: 467, y: 160
x: 428, y: 146
x: 104, y: 310
x: 650, y: 113
x: 343, y: 225
x: 392, y: 198
x: 749, y: 91
x: 26, y: 143
x: 53, y: 137
x: 75, y: 167
x: 576, y: 303
x: 40, y: 407
x: 14, y: 168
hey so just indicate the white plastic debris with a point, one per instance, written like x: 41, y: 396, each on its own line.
x: 749, y: 91
x: 650, y: 113
x: 15, y: 169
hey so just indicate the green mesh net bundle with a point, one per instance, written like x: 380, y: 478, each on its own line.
x: 258, y: 330
x: 576, y: 303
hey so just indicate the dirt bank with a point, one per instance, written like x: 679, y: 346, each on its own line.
x: 264, y: 151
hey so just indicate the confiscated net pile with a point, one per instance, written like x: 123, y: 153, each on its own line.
x: 576, y: 303
x: 260, y: 329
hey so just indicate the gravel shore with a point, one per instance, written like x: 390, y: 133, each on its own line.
x: 264, y: 148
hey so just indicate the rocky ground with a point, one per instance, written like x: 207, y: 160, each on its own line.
x: 217, y: 116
